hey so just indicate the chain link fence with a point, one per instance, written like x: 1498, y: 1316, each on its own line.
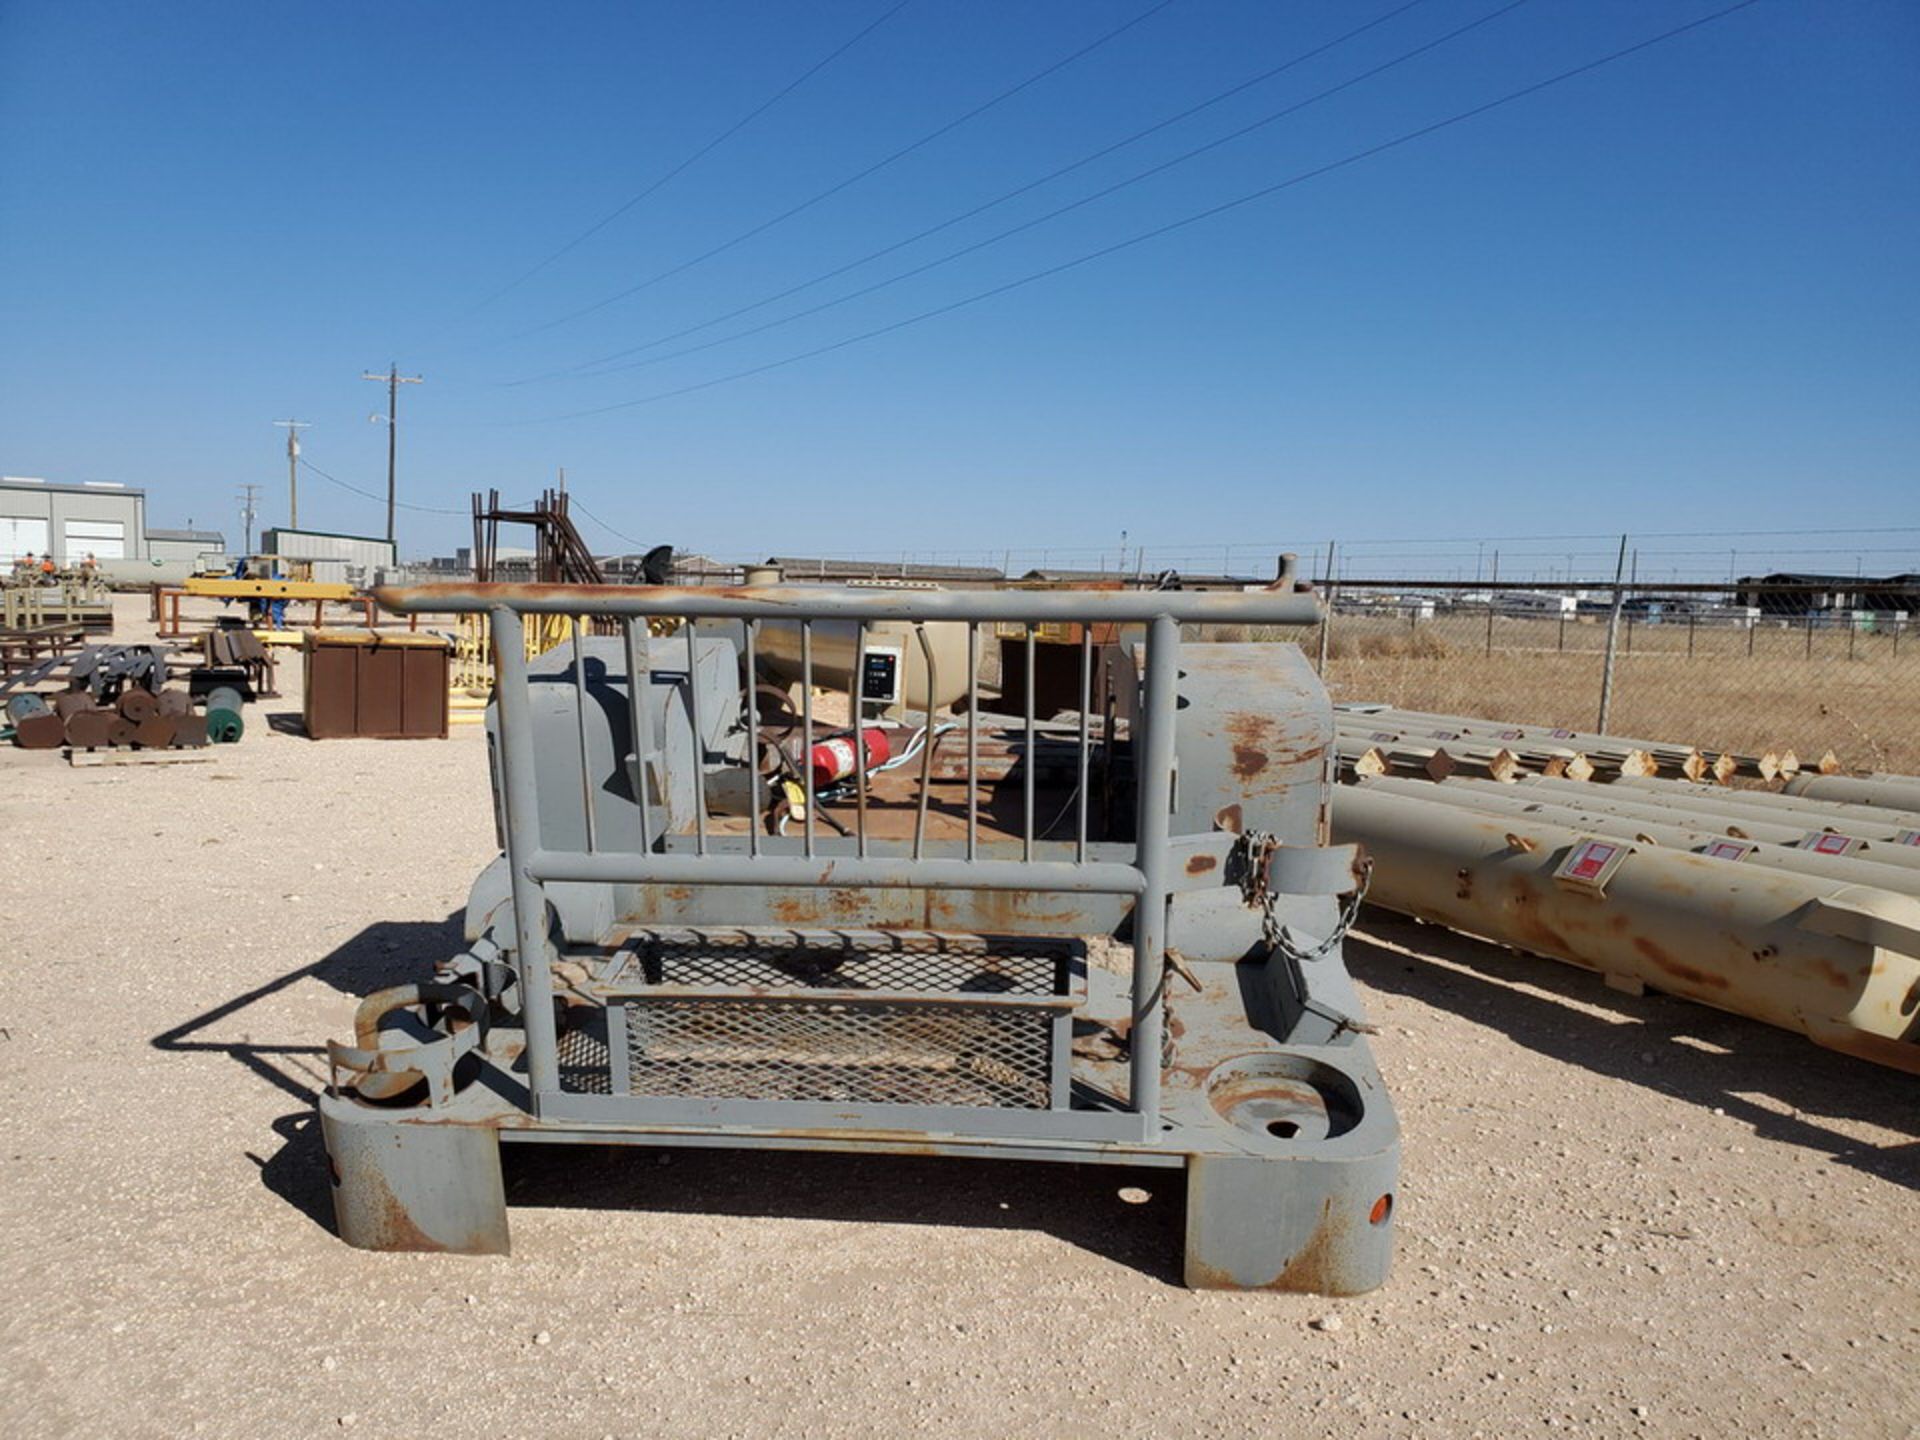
x: 1748, y: 671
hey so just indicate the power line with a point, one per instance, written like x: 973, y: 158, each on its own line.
x: 1070, y: 206
x: 376, y: 498
x: 1002, y: 199
x: 853, y: 179
x: 1459, y: 117
x: 574, y: 501
x: 691, y: 160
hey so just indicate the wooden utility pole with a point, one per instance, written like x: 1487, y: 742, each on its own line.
x: 293, y: 429
x: 394, y: 380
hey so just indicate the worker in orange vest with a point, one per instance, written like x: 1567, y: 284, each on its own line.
x: 46, y: 565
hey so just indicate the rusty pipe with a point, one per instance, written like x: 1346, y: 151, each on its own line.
x: 1838, y: 963
x: 1876, y: 844
x: 1672, y: 833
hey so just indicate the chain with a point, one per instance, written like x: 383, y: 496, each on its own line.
x: 1256, y: 849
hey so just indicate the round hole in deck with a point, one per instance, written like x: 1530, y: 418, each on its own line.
x: 1282, y: 1097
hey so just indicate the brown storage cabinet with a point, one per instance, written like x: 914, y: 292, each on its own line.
x: 376, y: 686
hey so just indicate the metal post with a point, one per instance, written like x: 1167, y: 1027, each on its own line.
x: 1086, y: 701
x: 640, y: 724
x: 1152, y: 825
x: 522, y: 809
x: 752, y: 628
x: 580, y: 728
x: 1326, y: 617
x: 973, y: 739
x: 1613, y: 635
x: 1032, y: 759
x: 806, y: 730
x: 699, y: 740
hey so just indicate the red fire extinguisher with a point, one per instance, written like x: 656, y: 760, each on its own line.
x: 833, y: 760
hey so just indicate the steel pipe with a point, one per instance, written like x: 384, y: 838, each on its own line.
x: 1671, y: 834
x: 1838, y: 963
x: 770, y: 602
x: 1894, y: 792
x: 1771, y: 803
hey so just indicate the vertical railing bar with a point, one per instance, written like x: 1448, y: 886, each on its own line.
x: 926, y: 736
x: 639, y: 725
x: 1154, y: 785
x: 1033, y: 759
x: 973, y: 739
x: 806, y: 725
x: 753, y: 741
x: 520, y: 805
x: 856, y: 707
x: 699, y: 741
x: 580, y: 728
x: 1086, y: 701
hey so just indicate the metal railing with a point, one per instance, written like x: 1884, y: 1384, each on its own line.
x: 1138, y: 870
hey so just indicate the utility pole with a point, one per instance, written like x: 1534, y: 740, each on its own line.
x: 393, y: 380
x: 293, y: 429
x: 248, y: 509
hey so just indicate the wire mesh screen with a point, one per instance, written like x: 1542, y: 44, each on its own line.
x: 919, y: 963
x: 842, y: 1053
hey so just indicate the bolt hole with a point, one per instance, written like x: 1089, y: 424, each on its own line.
x: 1283, y: 1129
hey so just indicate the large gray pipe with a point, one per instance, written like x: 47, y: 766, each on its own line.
x: 1835, y: 962
x: 1676, y: 792
x: 1877, y: 843
x: 1466, y: 795
x: 1897, y: 792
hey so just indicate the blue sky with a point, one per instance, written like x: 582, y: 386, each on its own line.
x: 1674, y: 295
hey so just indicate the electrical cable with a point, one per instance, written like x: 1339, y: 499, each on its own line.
x: 379, y: 499
x: 691, y: 160
x: 574, y: 501
x: 1355, y: 157
x: 1015, y: 193
x: 1070, y: 206
x: 854, y: 179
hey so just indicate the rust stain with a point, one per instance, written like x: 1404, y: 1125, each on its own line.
x: 1679, y: 969
x: 1228, y: 817
x: 1248, y: 762
x: 1200, y: 864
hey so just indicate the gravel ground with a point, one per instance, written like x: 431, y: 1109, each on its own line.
x: 1619, y: 1216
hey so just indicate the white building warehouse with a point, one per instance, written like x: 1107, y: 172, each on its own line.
x: 101, y: 518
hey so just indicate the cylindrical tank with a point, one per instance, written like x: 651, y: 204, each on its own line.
x: 1673, y: 833
x: 1895, y: 792
x: 1839, y: 963
x: 777, y: 649
x: 1669, y: 792
x: 1878, y: 844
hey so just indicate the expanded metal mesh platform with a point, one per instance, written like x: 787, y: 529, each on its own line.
x: 858, y: 1017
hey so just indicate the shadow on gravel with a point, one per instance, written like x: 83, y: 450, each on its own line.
x: 1780, y: 1083
x: 385, y: 954
x: 1080, y: 1204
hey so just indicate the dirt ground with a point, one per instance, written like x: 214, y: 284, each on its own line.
x: 1617, y: 1216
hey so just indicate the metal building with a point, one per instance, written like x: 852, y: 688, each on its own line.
x: 348, y: 559
x: 100, y: 517
x: 198, y: 549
